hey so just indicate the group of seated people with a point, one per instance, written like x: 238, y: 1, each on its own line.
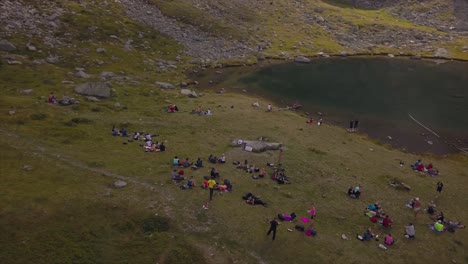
x: 280, y: 177
x: 374, y: 212
x: 176, y: 162
x: 261, y: 174
x: 64, y: 101
x: 429, y: 168
x: 172, y: 108
x: 178, y: 176
x: 189, y: 185
x: 226, y: 186
x: 122, y: 132
x: 354, y: 192
x: 215, y: 160
x: 198, y: 164
x: 310, y: 231
x: 287, y: 217
x: 154, y: 147
x: 201, y: 111
x: 253, y: 200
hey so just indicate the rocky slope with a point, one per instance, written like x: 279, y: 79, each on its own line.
x: 240, y: 30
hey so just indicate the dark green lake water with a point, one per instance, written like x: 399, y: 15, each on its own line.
x: 379, y: 92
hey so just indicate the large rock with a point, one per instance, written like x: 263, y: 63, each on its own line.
x: 119, y: 184
x: 442, y: 53
x: 98, y: 89
x: 165, y: 85
x: 107, y: 75
x: 82, y: 74
x: 257, y: 146
x: 188, y: 92
x: 302, y: 59
x: 7, y: 46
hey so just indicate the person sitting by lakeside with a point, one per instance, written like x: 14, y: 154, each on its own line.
x: 262, y: 173
x: 432, y: 172
x: 162, y: 147
x: 410, y: 231
x: 205, y: 184
x: 387, y: 222
x: 310, y: 121
x: 287, y: 217
x: 438, y: 226
x: 388, y: 240
x: 115, y: 131
x: 283, y: 179
x: 136, y: 136
x: 124, y: 132
x: 366, y: 236
x: 172, y: 108
x: 176, y: 176
x: 175, y: 161
x: 269, y: 107
x: 431, y: 208
x: 148, y: 137
x: 439, y: 217
x: 222, y: 159
x: 214, y: 173
x: 354, y: 192
x: 212, y: 159
x: 228, y: 184
x: 198, y: 164
x: 190, y: 184
x: 416, y: 164
x: 208, y: 112
x: 52, y: 99
x: 187, y: 163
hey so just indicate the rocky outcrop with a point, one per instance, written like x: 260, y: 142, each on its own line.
x: 94, y: 89
x: 189, y: 93
x: 7, y: 46
x: 197, y: 43
x: 165, y: 85
x: 256, y: 146
x: 302, y: 59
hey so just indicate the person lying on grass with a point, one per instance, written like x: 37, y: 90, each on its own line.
x: 287, y: 217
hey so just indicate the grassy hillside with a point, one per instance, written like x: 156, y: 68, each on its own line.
x: 58, y: 164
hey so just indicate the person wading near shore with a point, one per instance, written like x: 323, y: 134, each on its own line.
x: 273, y: 225
x: 211, y: 184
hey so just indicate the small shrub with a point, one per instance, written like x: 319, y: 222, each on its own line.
x: 38, y: 116
x: 96, y: 109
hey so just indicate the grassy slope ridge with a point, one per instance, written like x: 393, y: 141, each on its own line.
x: 66, y: 210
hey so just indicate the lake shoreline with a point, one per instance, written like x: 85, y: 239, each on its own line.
x: 415, y: 140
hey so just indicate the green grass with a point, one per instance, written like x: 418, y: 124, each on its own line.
x: 66, y: 210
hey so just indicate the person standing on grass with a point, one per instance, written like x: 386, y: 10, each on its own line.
x: 273, y: 225
x: 312, y: 212
x: 211, y: 184
x: 440, y: 185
